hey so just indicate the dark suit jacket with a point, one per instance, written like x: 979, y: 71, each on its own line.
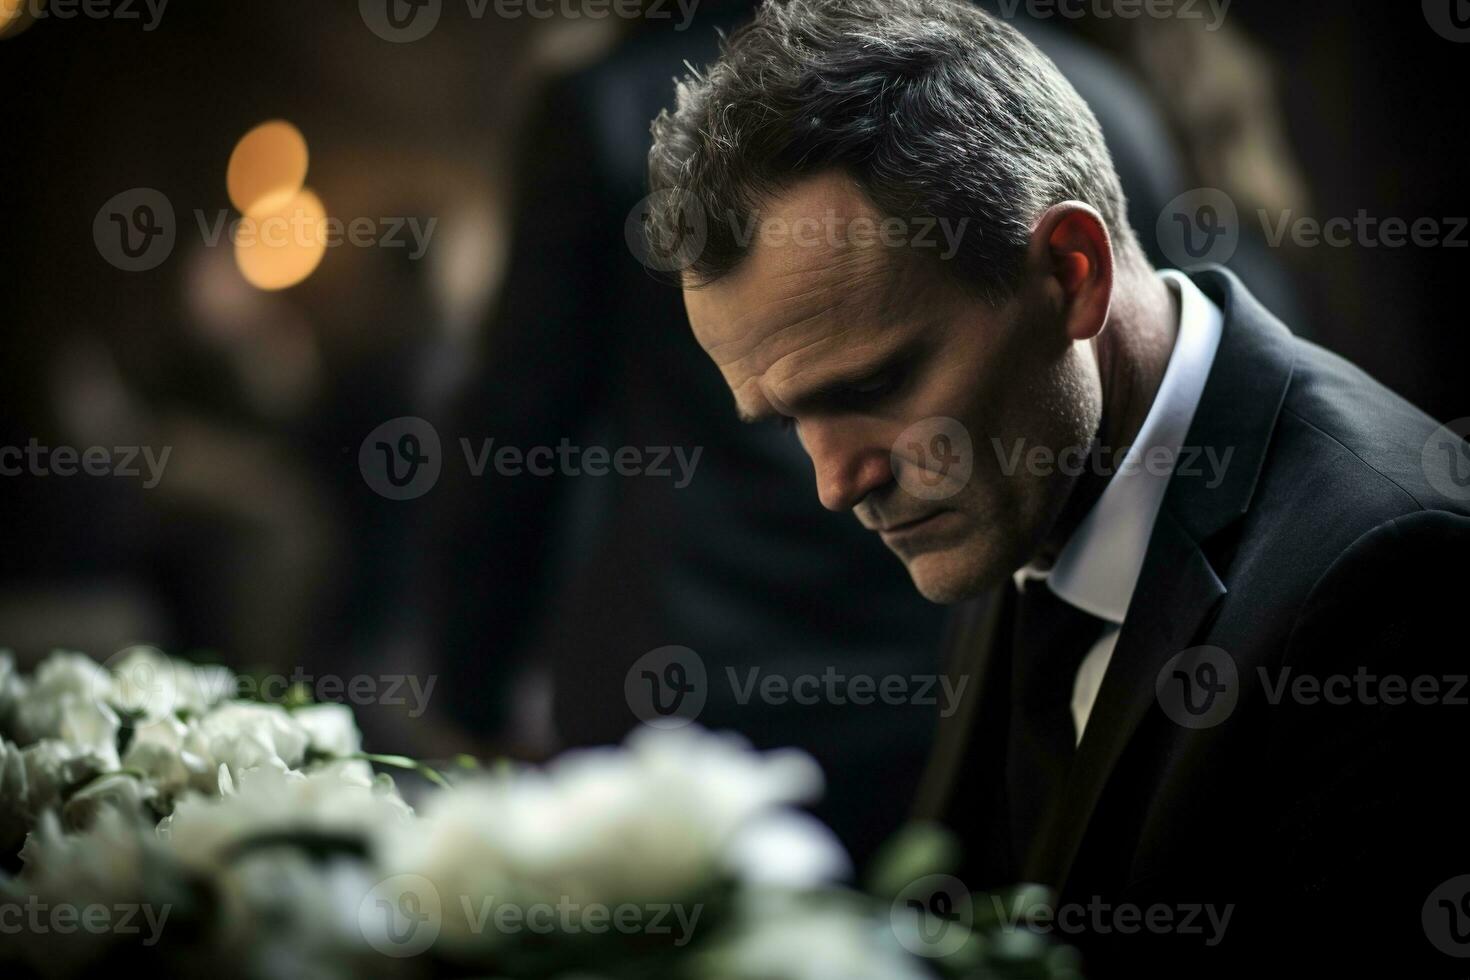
x: 1325, y: 552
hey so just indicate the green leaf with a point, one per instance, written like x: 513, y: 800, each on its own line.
x: 916, y: 851
x: 404, y: 762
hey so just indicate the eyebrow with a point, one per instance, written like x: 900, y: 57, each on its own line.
x: 833, y: 388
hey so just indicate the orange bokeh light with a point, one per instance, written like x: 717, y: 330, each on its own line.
x: 280, y: 249
x: 267, y: 169
x: 17, y: 15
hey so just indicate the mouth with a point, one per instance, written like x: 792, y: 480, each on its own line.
x: 893, y: 531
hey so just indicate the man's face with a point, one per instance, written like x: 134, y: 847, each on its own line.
x: 867, y: 353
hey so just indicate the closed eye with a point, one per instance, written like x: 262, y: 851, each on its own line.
x: 871, y: 386
x: 855, y: 396
x: 867, y: 391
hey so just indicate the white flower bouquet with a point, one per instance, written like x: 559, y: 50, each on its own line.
x: 150, y: 818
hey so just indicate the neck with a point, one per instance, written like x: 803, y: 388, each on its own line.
x: 1132, y: 353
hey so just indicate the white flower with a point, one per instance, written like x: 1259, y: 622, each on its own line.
x: 244, y: 735
x: 783, y: 936
x: 62, y: 680
x: 331, y: 729
x: 293, y: 915
x: 280, y: 909
x: 147, y: 682
x: 118, y: 861
x: 118, y: 790
x: 336, y: 798
x: 15, y: 811
x: 104, y: 863
x: 53, y: 769
x: 90, y: 727
x: 788, y: 849
x: 157, y: 750
x: 177, y: 755
x: 456, y: 846
x: 652, y: 822
x: 277, y: 902
x: 12, y: 689
x: 240, y: 736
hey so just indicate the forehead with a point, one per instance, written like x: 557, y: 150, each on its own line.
x: 809, y: 297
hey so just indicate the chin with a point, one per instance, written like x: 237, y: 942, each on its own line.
x: 949, y: 575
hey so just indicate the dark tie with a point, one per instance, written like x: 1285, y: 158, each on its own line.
x: 1049, y: 640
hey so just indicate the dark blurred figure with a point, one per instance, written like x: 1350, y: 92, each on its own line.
x: 579, y: 577
x: 1214, y: 92
x: 261, y: 544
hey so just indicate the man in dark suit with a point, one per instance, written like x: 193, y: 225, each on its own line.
x: 1203, y: 568
x: 645, y: 563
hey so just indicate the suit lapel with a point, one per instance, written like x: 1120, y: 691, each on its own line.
x: 1177, y: 586
x: 1177, y: 589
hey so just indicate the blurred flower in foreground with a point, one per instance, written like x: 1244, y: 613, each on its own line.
x: 255, y: 840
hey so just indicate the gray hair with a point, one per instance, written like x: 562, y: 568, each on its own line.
x: 936, y: 108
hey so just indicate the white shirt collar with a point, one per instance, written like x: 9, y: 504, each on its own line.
x: 1097, y: 570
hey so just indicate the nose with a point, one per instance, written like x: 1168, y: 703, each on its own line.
x: 848, y: 465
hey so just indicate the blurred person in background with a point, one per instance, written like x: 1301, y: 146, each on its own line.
x: 261, y: 545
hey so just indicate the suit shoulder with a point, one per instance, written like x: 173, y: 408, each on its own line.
x: 1387, y: 596
x: 1396, y: 450
x: 1346, y: 458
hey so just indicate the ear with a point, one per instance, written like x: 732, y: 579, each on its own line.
x: 1072, y: 255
